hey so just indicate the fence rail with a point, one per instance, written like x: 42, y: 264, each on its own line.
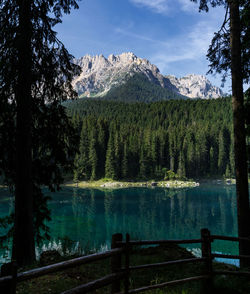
x: 120, y: 272
x: 38, y: 272
x: 160, y: 242
x: 179, y: 261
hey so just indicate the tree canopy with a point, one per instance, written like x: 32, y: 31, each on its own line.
x: 36, y: 72
x: 229, y: 50
x: 144, y: 140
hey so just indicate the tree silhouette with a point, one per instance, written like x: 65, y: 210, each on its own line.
x: 36, y: 72
x: 229, y: 51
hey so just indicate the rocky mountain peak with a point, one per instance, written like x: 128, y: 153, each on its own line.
x: 195, y: 86
x: 100, y: 74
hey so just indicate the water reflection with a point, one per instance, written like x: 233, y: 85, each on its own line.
x: 89, y: 217
x: 92, y: 216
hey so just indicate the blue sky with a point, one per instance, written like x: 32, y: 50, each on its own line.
x: 171, y: 34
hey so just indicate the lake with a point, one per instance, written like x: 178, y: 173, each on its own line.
x: 83, y: 220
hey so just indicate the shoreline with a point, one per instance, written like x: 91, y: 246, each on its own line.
x: 110, y: 184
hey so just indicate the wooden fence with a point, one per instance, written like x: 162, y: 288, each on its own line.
x: 9, y: 276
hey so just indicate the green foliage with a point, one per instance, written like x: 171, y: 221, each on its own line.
x: 49, y: 83
x: 219, y: 53
x: 146, y: 140
x: 170, y: 175
x: 139, y: 89
x: 247, y: 119
x: 110, y: 163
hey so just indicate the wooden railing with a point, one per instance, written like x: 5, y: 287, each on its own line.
x: 120, y: 272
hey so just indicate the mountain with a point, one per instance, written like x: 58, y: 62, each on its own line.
x: 101, y: 75
x: 139, y: 89
x: 195, y: 86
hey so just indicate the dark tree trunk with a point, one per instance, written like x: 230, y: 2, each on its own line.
x: 239, y: 130
x: 23, y: 243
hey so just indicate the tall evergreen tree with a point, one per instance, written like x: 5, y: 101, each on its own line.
x: 222, y: 153
x: 143, y: 164
x: 229, y: 50
x: 212, y: 162
x: 35, y: 73
x: 110, y: 164
x: 102, y: 145
x: 181, y: 166
x: 124, y: 169
x: 118, y: 153
x: 241, y: 173
x: 81, y: 163
x: 93, y: 160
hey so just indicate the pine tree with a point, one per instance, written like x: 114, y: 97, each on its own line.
x: 124, y: 170
x: 34, y: 68
x: 110, y: 164
x: 229, y: 50
x: 117, y: 148
x: 143, y: 163
x: 93, y: 160
x: 191, y: 159
x: 164, y: 156
x: 222, y: 154
x: 172, y: 149
x: 102, y: 146
x: 155, y: 153
x: 227, y: 172
x: 181, y: 167
x: 81, y: 163
x: 231, y: 158
x: 212, y: 162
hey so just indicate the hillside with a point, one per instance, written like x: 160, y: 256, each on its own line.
x: 139, y: 89
x: 101, y: 75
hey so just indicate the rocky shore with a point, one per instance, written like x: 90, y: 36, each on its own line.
x: 117, y: 184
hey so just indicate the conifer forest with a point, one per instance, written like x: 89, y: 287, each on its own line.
x: 120, y: 140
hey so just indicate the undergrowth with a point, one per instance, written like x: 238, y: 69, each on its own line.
x: 67, y: 279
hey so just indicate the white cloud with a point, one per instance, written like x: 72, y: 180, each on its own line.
x: 188, y: 6
x: 130, y: 34
x: 158, y: 6
x: 189, y: 45
x: 166, y: 6
x: 192, y: 45
x: 183, y: 51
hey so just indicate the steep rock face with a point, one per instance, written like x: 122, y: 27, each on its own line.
x: 100, y: 74
x: 195, y: 86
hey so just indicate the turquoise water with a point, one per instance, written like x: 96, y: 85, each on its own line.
x: 84, y: 220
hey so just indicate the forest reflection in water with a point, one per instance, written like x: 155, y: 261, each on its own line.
x: 83, y: 220
x: 90, y: 216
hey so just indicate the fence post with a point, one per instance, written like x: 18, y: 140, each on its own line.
x: 127, y: 252
x: 116, y: 262
x: 9, y: 269
x: 206, y: 253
